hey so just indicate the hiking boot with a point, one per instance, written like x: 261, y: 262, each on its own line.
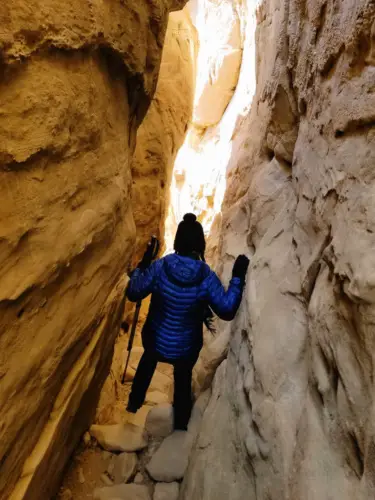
x: 132, y: 408
x: 180, y: 427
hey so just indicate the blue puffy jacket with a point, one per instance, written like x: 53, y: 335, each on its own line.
x: 181, y: 288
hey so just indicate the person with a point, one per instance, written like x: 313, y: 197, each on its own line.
x: 182, y: 287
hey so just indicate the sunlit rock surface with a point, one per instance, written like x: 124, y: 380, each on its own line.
x: 225, y: 84
x: 291, y: 415
x: 163, y: 131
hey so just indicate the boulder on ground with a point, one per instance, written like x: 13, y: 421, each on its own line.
x: 139, y: 479
x: 156, y: 397
x: 123, y: 467
x: 123, y: 492
x: 170, y: 461
x: 166, y: 491
x: 120, y: 437
x: 159, y: 422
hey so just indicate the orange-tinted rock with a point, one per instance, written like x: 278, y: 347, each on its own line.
x: 76, y: 80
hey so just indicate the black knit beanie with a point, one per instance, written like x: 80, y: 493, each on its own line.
x: 190, y: 237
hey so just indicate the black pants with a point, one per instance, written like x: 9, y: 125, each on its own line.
x: 183, y: 371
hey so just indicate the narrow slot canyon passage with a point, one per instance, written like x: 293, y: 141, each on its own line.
x: 185, y: 143
x: 117, y: 117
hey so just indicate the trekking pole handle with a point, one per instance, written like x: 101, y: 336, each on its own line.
x: 155, y: 245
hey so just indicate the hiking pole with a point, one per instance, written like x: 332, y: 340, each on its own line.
x: 152, y: 251
x: 131, y: 338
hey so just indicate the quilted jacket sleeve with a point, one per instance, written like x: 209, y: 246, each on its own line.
x: 142, y: 283
x: 224, y: 303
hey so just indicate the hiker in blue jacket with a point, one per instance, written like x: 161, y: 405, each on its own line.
x: 183, y: 288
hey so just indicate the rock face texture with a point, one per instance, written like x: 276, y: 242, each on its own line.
x: 287, y: 133
x: 163, y: 131
x: 219, y: 58
x: 292, y: 407
x: 75, y: 84
x: 224, y: 89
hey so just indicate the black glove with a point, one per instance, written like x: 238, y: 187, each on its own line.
x: 146, y: 259
x: 240, y: 267
x: 150, y: 254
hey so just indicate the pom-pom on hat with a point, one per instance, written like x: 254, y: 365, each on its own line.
x: 190, y: 237
x: 190, y: 218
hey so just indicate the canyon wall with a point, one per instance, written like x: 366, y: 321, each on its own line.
x: 75, y: 83
x: 158, y: 138
x: 291, y: 412
x: 163, y: 131
x: 198, y: 183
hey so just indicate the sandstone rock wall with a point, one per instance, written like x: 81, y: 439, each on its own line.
x: 163, y: 131
x: 76, y: 80
x: 293, y: 403
x: 219, y: 58
x: 224, y: 90
x: 158, y: 139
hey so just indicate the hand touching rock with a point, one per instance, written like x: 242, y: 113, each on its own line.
x: 240, y: 267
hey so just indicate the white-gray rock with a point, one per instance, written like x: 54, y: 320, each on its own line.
x: 139, y: 479
x: 159, y: 422
x: 170, y: 461
x: 161, y: 382
x: 197, y: 413
x: 156, y: 397
x: 120, y: 437
x: 166, y: 491
x: 106, y: 479
x: 123, y: 467
x: 122, y: 492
